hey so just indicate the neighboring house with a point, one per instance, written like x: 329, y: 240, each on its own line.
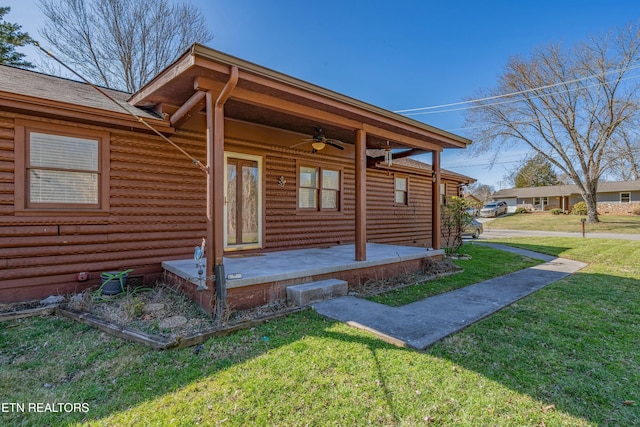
x: 85, y: 187
x: 613, y: 198
x: 473, y: 200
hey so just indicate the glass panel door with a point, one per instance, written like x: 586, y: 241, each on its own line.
x: 243, y: 202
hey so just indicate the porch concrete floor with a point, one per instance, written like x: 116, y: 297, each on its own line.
x: 284, y: 265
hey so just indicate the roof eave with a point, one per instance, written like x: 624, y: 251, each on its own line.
x: 198, y: 51
x: 65, y: 111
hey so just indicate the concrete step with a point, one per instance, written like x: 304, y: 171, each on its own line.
x: 308, y: 293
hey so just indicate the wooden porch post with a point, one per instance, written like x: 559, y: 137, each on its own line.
x: 435, y: 200
x: 215, y: 190
x: 361, y: 195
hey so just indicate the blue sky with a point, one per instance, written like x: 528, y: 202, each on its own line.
x: 397, y: 54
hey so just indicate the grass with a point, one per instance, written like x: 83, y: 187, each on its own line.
x: 565, y: 356
x: 480, y: 267
x: 567, y: 223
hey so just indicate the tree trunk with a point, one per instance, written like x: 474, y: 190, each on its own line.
x: 590, y: 200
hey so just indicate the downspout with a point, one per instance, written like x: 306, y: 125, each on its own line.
x: 215, y: 190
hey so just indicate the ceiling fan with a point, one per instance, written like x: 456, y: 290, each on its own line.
x: 319, y: 141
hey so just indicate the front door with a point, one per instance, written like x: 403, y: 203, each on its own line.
x: 243, y: 198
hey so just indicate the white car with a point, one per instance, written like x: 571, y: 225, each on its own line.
x: 493, y: 209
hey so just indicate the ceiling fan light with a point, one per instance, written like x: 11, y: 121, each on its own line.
x: 318, y: 145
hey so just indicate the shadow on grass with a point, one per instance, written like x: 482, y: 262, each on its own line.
x: 56, y: 360
x: 573, y: 345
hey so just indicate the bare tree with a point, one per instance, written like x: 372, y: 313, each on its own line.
x: 624, y: 157
x: 121, y: 44
x: 480, y: 191
x: 569, y: 106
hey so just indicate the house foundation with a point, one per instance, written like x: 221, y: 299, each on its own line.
x: 263, y: 279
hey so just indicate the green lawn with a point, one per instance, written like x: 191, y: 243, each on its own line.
x: 569, y: 223
x: 565, y: 356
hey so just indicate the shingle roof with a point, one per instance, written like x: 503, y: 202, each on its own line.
x: 37, y: 85
x: 565, y: 190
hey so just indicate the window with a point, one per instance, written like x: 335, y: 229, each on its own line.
x: 402, y: 190
x: 541, y: 200
x: 318, y: 188
x: 330, y: 189
x: 60, y: 168
x: 308, y: 188
x: 625, y: 197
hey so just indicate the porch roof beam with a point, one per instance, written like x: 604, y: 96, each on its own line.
x: 402, y: 139
x: 277, y: 104
x: 364, y: 111
x: 295, y: 109
x: 268, y: 78
x: 375, y: 161
x: 193, y: 106
x: 409, y: 153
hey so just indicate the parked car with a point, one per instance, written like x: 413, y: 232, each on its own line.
x: 474, y: 229
x: 493, y: 209
x: 473, y: 211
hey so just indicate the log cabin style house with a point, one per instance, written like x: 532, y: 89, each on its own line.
x: 258, y: 163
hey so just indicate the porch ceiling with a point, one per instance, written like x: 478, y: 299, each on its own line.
x: 269, y: 98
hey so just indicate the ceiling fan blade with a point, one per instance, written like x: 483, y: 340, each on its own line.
x: 300, y: 143
x: 334, y: 144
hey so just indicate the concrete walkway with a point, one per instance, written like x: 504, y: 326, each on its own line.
x: 423, y: 323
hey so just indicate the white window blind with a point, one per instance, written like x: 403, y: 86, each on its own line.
x: 48, y: 186
x: 63, y: 169
x: 308, y: 188
x: 63, y: 152
x: 401, y: 190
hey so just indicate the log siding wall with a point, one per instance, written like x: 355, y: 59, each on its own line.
x: 156, y: 213
x: 157, y: 210
x: 390, y: 223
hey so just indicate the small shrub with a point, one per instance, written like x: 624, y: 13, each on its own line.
x: 134, y: 307
x: 521, y: 210
x: 579, y: 208
x: 556, y: 211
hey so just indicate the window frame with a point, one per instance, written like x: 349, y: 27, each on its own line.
x: 23, y: 205
x: 443, y: 193
x: 628, y: 193
x: 320, y: 168
x: 540, y: 201
x: 395, y: 190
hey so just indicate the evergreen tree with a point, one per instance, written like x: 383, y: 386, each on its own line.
x: 10, y: 38
x: 536, y: 172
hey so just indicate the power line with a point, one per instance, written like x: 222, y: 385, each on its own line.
x: 480, y: 164
x: 506, y: 95
x: 472, y: 107
x: 484, y: 163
